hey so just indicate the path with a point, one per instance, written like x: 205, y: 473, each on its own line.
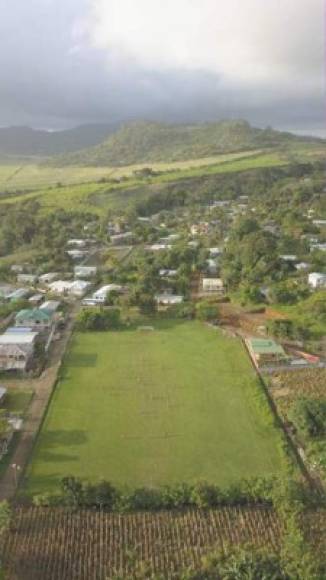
x: 42, y: 387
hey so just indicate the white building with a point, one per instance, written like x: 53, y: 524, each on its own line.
x: 79, y: 288
x: 77, y: 242
x: 160, y: 247
x: 77, y: 254
x: 60, y: 286
x: 85, y: 271
x: 48, y: 277
x: 317, y: 280
x: 212, y: 285
x: 168, y: 299
x: 100, y: 296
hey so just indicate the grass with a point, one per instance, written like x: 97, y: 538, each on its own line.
x: 180, y: 403
x: 34, y: 176
x: 97, y: 198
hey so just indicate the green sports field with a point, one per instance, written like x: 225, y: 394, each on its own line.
x: 180, y: 403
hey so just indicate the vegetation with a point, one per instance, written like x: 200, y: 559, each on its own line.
x: 146, y: 142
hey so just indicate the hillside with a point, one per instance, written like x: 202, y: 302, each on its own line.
x: 24, y: 141
x: 147, y: 142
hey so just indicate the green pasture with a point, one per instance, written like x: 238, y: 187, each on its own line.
x: 178, y: 403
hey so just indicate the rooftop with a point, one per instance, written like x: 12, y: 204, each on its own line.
x: 265, y: 346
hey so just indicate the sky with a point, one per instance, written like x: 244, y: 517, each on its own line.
x: 70, y: 62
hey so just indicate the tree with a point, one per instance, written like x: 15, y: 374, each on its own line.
x: 5, y: 516
x: 206, y: 310
x: 98, y: 319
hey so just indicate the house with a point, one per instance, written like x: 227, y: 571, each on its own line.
x: 16, y: 350
x: 168, y: 273
x: 13, y: 358
x: 17, y: 268
x: 160, y: 247
x: 199, y: 229
x: 317, y: 280
x: 34, y: 318
x: 214, y: 252
x: 36, y: 299
x: 77, y: 243
x: 6, y: 291
x: 49, y: 277
x: 85, y: 271
x: 212, y: 285
x: 27, y: 279
x: 266, y: 352
x: 319, y: 223
x: 124, y: 238
x: 79, y: 288
x: 19, y: 294
x: 168, y: 299
x: 77, y: 254
x: 50, y: 305
x: 289, y: 258
x: 321, y: 247
x: 302, y: 266
x: 100, y: 296
x: 60, y: 287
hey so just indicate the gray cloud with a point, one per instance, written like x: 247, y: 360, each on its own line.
x: 65, y: 62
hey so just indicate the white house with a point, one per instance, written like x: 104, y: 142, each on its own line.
x: 211, y: 266
x: 100, y: 296
x: 302, y: 266
x: 319, y: 222
x: 289, y: 257
x: 77, y: 242
x: 214, y: 252
x: 317, y: 280
x: 168, y: 273
x: 212, y: 285
x: 159, y: 247
x: 85, y: 271
x: 168, y: 299
x: 318, y: 246
x: 48, y: 277
x: 77, y: 254
x: 79, y: 288
x: 60, y: 286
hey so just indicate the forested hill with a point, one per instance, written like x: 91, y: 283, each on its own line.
x: 24, y: 141
x: 146, y: 142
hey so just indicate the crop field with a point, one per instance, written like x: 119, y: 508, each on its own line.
x: 34, y: 176
x: 179, y: 403
x: 95, y: 197
x: 60, y: 545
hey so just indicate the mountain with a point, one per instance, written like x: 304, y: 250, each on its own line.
x: 24, y: 141
x: 147, y: 142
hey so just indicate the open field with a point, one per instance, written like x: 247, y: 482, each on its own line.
x: 180, y: 403
x: 34, y: 176
x: 95, y: 197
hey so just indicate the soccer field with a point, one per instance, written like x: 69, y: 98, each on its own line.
x: 180, y: 403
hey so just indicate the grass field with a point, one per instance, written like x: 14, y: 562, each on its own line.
x: 180, y: 403
x: 37, y: 176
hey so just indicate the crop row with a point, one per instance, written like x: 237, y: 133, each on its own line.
x: 53, y: 544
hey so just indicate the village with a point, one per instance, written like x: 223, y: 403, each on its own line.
x: 170, y: 262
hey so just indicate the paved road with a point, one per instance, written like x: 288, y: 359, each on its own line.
x: 42, y: 387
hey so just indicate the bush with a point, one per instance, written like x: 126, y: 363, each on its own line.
x: 98, y: 319
x: 207, y: 311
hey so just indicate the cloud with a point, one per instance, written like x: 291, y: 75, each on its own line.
x: 243, y: 41
x: 65, y: 62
